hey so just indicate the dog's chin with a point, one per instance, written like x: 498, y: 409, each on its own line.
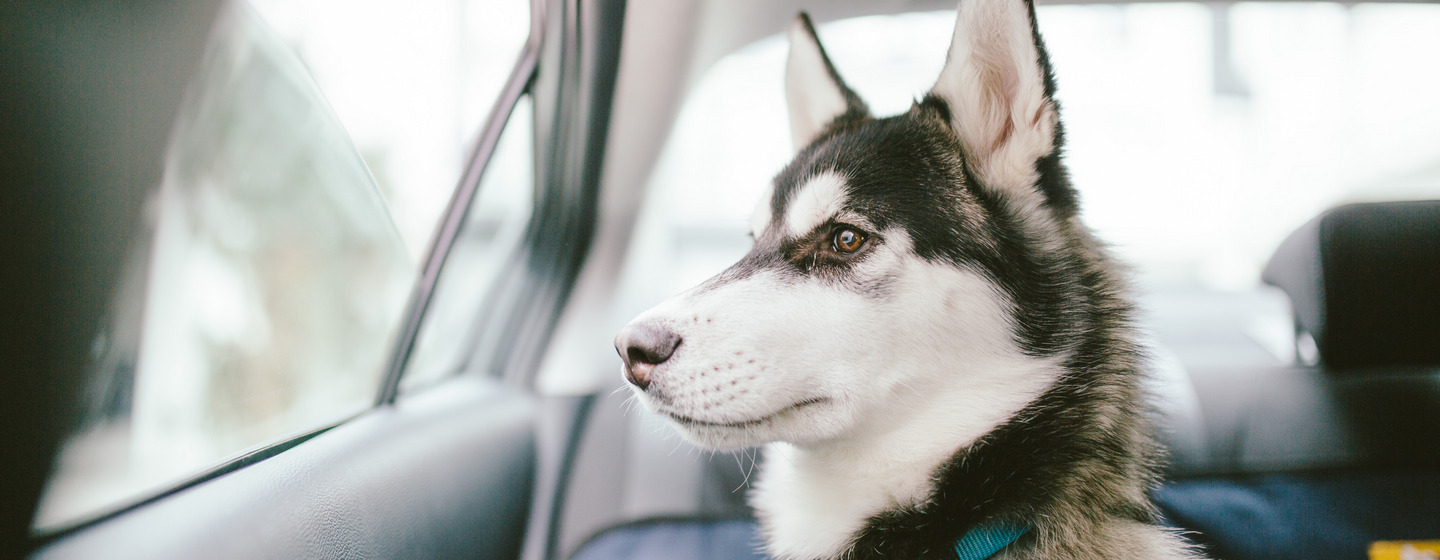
x: 796, y: 423
x: 721, y: 439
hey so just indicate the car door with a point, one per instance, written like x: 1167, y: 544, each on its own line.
x: 440, y: 446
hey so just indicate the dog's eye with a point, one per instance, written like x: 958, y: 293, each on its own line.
x: 847, y: 240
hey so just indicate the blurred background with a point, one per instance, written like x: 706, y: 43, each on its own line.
x: 1199, y: 135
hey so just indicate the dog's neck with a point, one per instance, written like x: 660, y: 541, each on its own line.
x: 814, y: 499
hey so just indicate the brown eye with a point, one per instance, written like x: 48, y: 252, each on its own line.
x: 847, y: 240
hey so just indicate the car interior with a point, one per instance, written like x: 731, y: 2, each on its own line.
x: 228, y: 337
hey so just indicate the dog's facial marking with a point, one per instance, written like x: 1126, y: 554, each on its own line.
x: 818, y: 200
x: 832, y: 250
x: 827, y: 240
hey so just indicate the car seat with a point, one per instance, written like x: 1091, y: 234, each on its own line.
x: 1317, y: 461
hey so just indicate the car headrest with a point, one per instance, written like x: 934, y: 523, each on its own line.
x: 1365, y: 283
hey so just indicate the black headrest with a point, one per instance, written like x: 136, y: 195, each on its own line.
x: 1365, y: 283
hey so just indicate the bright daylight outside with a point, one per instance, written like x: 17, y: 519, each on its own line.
x: 262, y: 297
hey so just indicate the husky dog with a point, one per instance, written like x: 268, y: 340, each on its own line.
x: 933, y: 343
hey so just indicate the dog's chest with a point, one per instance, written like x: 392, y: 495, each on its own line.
x: 813, y: 507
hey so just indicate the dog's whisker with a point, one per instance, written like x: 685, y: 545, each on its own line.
x: 754, y: 453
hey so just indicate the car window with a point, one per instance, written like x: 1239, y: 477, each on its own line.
x: 261, y: 299
x: 411, y: 82
x: 492, y: 229
x: 1198, y: 135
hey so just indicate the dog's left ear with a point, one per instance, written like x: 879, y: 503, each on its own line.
x: 816, y: 95
x: 994, y: 83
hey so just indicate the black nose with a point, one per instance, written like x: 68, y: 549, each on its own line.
x: 643, y: 346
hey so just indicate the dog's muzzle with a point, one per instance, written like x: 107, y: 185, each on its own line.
x: 642, y: 347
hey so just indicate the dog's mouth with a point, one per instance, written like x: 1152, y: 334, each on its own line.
x: 693, y: 422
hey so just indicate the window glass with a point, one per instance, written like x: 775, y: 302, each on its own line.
x: 492, y: 229
x: 411, y: 82
x: 260, y: 303
x: 1199, y: 136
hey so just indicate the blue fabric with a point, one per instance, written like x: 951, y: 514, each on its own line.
x: 737, y: 539
x: 984, y: 541
x: 1326, y: 516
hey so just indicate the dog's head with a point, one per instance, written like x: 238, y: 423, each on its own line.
x: 897, y: 261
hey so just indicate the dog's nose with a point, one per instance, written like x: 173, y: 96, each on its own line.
x: 644, y: 346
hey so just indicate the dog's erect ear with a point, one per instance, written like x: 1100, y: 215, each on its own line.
x: 814, y: 90
x: 995, y: 87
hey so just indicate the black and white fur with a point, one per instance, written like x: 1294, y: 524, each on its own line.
x: 974, y: 361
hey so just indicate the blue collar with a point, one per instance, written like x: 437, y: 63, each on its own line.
x: 984, y: 541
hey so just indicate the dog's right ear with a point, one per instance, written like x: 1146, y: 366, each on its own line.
x: 816, y: 94
x: 994, y: 84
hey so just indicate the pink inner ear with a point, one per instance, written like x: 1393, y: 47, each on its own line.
x: 1007, y: 127
x: 992, y: 77
x: 997, y: 87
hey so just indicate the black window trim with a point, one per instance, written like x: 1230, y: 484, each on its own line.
x: 568, y: 67
x: 235, y: 462
x: 573, y: 94
x: 519, y: 83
